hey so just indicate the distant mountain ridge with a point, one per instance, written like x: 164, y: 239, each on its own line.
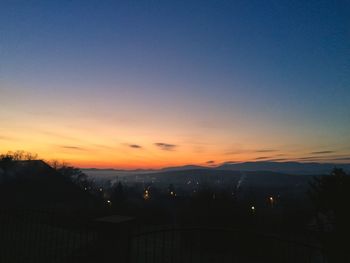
x: 279, y: 167
x: 284, y: 167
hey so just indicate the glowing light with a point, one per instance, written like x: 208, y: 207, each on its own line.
x: 146, y: 195
x: 253, y: 208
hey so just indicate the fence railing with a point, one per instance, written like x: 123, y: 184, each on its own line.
x: 195, y: 244
x: 47, y: 236
x: 42, y: 236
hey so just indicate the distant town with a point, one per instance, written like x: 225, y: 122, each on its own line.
x: 278, y: 206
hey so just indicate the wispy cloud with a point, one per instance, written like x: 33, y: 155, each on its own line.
x: 210, y: 162
x: 135, y: 146
x: 278, y: 160
x: 280, y: 154
x: 310, y: 158
x: 239, y: 151
x: 270, y: 159
x: 324, y: 158
x: 73, y: 147
x: 322, y: 152
x: 262, y: 158
x: 165, y: 146
x: 266, y: 151
x: 342, y: 159
x: 230, y: 162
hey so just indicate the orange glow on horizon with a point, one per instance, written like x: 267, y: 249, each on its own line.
x: 95, y: 145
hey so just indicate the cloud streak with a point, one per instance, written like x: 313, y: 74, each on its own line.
x: 165, y: 146
x: 277, y: 160
x: 262, y: 158
x: 251, y: 151
x: 312, y: 158
x: 324, y: 158
x: 322, y: 152
x: 266, y: 151
x: 72, y: 147
x: 342, y: 159
x: 135, y: 146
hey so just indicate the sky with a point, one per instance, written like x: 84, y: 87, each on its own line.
x: 149, y: 84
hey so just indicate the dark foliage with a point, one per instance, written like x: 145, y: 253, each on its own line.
x: 331, y: 196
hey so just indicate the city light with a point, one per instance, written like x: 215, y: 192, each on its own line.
x: 146, y: 195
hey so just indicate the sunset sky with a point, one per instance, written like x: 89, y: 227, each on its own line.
x: 148, y: 84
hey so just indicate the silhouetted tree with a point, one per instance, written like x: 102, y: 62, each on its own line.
x: 330, y: 196
x: 6, y: 162
x: 55, y: 164
x: 75, y: 175
x: 20, y: 155
x: 71, y: 173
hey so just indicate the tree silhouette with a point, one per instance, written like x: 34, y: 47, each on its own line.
x: 73, y: 174
x: 330, y: 196
x: 6, y: 162
x: 20, y: 155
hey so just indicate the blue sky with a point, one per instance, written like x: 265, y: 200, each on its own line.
x: 233, y: 73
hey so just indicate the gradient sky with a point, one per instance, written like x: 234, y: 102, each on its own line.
x: 131, y: 84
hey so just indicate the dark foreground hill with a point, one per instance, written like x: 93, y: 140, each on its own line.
x: 36, y: 184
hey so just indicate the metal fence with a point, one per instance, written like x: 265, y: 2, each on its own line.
x: 42, y: 236
x: 187, y: 245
